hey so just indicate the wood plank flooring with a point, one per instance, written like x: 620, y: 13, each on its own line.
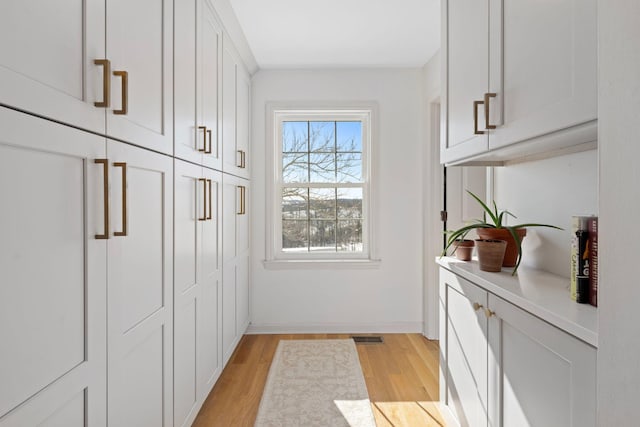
x: 401, y: 376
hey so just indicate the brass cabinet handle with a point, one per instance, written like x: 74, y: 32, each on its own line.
x: 105, y: 164
x: 487, y: 96
x: 477, y: 306
x: 489, y: 313
x: 208, y: 151
x: 204, y: 139
x: 242, y: 200
x: 475, y: 118
x: 210, y: 216
x: 125, y: 92
x: 242, y: 159
x: 106, y: 82
x: 204, y: 200
x: 123, y: 165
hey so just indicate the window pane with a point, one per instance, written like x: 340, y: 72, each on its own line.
x: 350, y: 236
x: 294, y: 137
x: 322, y: 167
x: 294, y: 203
x: 322, y: 137
x: 322, y: 203
x: 349, y: 136
x: 295, y: 167
x: 350, y: 203
x: 349, y: 167
x: 323, y: 236
x: 295, y: 236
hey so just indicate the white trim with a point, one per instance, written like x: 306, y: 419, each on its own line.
x: 321, y: 264
x: 367, y: 112
x: 335, y: 328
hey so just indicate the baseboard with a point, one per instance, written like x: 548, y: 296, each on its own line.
x: 334, y: 328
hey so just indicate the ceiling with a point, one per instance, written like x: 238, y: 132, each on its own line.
x: 340, y: 33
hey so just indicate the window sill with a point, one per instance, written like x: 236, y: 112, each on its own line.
x: 321, y: 264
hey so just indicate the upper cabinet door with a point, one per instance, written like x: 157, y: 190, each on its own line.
x: 140, y: 47
x: 465, y: 34
x: 543, y: 62
x: 236, y: 89
x: 209, y: 84
x: 47, y: 53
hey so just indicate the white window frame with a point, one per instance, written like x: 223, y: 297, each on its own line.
x: 276, y: 258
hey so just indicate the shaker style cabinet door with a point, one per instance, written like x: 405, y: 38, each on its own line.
x: 140, y: 48
x: 465, y: 58
x: 47, y: 54
x: 53, y: 274
x: 140, y: 297
x: 543, y: 68
x: 198, y: 58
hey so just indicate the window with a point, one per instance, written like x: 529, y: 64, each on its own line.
x: 321, y: 189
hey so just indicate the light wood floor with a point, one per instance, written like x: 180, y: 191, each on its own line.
x: 401, y: 376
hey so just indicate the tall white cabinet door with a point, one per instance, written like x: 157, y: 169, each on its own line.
x: 465, y: 71
x: 190, y: 189
x: 543, y: 67
x: 231, y: 211
x: 466, y: 331
x: 209, y: 84
x: 47, y: 51
x: 140, y: 303
x: 243, y: 307
x: 209, y: 321
x: 558, y: 385
x: 243, y: 121
x: 188, y: 143
x: 140, y: 43
x: 53, y: 274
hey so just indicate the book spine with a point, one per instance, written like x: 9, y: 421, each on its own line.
x: 582, y: 278
x: 593, y: 262
x: 578, y: 222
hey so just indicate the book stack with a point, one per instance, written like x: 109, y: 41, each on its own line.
x: 584, y: 259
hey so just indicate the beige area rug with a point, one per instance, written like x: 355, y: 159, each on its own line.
x: 315, y: 383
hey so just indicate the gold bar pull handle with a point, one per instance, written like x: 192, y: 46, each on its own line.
x: 125, y: 92
x: 242, y: 200
x: 204, y: 200
x: 241, y: 165
x: 105, y: 164
x: 210, y: 216
x: 208, y: 151
x: 204, y: 139
x: 123, y: 165
x: 106, y: 82
x: 475, y: 118
x: 244, y: 159
x: 488, y: 96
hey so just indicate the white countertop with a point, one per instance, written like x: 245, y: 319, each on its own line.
x: 542, y: 294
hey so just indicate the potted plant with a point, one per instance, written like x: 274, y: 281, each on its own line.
x: 463, y: 248
x: 495, y: 229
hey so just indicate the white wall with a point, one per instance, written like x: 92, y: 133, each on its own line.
x: 388, y: 298
x: 619, y: 136
x: 548, y: 191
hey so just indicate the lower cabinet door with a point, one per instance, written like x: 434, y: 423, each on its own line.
x: 466, y: 367
x: 540, y: 375
x: 140, y: 279
x: 229, y: 320
x: 52, y: 275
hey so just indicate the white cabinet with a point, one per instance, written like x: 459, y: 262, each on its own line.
x: 140, y: 283
x: 197, y: 288
x: 197, y: 83
x: 509, y: 82
x: 51, y: 72
x: 236, y: 103
x: 502, y: 366
x: 235, y: 286
x: 53, y: 275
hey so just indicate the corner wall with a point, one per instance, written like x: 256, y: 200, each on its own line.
x: 384, y: 299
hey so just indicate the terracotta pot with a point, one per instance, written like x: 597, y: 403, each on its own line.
x: 511, y: 253
x: 491, y: 254
x: 463, y: 249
